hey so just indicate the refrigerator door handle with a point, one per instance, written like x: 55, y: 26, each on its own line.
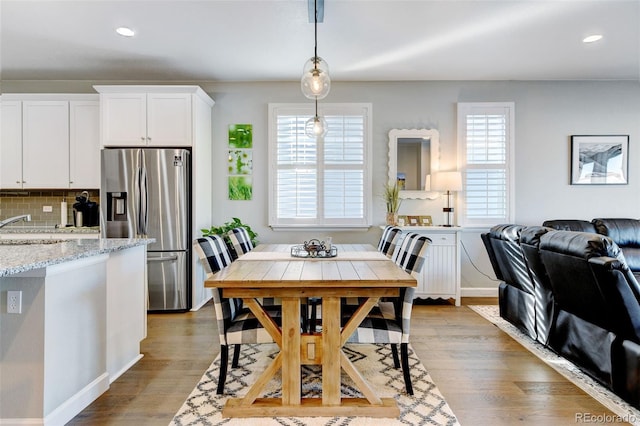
x: 143, y: 197
x: 162, y: 259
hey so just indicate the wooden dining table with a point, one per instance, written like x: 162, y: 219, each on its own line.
x: 270, y: 270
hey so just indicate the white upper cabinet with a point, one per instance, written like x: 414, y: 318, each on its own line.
x: 84, y: 144
x: 156, y: 116
x: 45, y: 144
x: 11, y: 145
x: 50, y: 141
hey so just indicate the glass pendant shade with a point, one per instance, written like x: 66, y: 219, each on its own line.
x: 315, y: 82
x: 316, y: 127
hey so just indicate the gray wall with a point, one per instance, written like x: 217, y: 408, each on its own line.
x: 547, y: 113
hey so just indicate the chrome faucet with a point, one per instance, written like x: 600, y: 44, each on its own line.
x: 26, y: 217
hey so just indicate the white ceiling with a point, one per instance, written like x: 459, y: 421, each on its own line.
x: 362, y: 40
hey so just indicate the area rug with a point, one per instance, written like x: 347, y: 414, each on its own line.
x: 566, y: 368
x: 426, y: 407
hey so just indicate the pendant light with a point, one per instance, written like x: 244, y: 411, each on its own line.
x: 316, y: 126
x: 315, y: 82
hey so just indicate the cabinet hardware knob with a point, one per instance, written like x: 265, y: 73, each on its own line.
x: 142, y: 138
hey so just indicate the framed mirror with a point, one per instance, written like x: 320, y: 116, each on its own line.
x: 413, y: 154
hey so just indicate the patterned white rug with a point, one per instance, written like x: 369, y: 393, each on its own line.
x: 426, y: 407
x: 566, y: 368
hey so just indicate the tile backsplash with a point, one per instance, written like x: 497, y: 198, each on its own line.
x: 19, y: 202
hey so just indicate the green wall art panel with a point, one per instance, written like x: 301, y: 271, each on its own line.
x: 240, y: 187
x: 240, y: 162
x: 240, y: 135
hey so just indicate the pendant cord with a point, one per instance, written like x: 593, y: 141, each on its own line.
x: 315, y: 47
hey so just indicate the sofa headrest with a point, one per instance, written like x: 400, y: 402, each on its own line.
x: 506, y: 232
x: 625, y: 232
x: 581, y: 244
x: 570, y: 225
x: 531, y: 235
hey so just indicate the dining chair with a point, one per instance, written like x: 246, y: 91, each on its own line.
x: 389, y: 240
x: 390, y: 321
x: 240, y: 241
x: 236, y: 324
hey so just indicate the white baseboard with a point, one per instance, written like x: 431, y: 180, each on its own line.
x: 78, y: 402
x: 113, y: 377
x: 204, y: 302
x: 479, y: 292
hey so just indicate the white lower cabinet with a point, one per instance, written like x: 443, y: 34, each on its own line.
x: 440, y: 277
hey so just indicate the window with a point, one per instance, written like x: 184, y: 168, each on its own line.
x: 324, y: 183
x: 485, y: 144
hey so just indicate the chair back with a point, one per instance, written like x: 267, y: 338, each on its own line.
x: 389, y: 240
x: 214, y: 255
x: 411, y: 257
x: 412, y: 254
x: 240, y: 240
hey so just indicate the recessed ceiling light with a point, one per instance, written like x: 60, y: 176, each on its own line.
x: 592, y: 38
x: 125, y: 32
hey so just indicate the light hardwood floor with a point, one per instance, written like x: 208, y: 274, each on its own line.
x: 486, y: 377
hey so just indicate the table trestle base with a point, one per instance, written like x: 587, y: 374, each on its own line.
x: 311, y: 407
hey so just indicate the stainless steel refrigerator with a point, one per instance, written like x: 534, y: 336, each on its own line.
x: 146, y: 192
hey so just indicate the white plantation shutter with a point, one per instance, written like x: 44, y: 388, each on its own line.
x: 486, y: 143
x: 323, y: 183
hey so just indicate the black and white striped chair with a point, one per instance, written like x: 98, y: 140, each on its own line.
x: 387, y: 245
x: 236, y: 324
x: 240, y: 240
x: 390, y: 321
x: 389, y: 240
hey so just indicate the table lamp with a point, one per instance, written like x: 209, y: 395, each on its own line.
x: 449, y: 182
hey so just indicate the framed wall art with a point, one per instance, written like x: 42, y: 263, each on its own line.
x: 599, y: 159
x: 240, y: 162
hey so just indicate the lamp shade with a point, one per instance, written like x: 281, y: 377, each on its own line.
x: 315, y: 81
x: 446, y: 181
x: 316, y: 127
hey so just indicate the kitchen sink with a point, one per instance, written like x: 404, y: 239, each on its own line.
x: 25, y: 242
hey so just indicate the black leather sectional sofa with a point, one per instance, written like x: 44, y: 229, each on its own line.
x: 573, y: 286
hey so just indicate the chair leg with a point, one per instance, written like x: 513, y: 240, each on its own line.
x: 236, y: 356
x: 404, y: 353
x: 224, y: 361
x: 394, y: 352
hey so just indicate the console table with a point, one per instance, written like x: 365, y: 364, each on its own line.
x: 440, y: 277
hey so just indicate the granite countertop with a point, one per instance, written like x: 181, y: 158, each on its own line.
x: 17, y: 258
x: 49, y: 230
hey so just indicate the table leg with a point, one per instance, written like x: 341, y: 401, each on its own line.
x: 331, y: 349
x: 291, y: 380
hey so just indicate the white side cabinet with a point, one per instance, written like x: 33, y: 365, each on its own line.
x: 155, y: 116
x: 440, y: 277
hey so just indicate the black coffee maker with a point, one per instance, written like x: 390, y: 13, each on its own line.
x: 85, y: 212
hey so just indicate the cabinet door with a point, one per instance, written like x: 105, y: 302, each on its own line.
x: 169, y: 120
x: 84, y: 144
x: 45, y: 144
x: 11, y: 145
x: 124, y: 119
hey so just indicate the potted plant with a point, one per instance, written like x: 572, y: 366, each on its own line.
x: 393, y: 201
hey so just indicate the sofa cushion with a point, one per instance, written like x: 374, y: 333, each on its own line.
x: 625, y: 232
x: 570, y: 225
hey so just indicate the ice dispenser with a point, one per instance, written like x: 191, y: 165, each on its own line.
x: 117, y: 206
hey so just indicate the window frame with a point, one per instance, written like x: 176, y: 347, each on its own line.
x: 324, y: 109
x: 463, y: 110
